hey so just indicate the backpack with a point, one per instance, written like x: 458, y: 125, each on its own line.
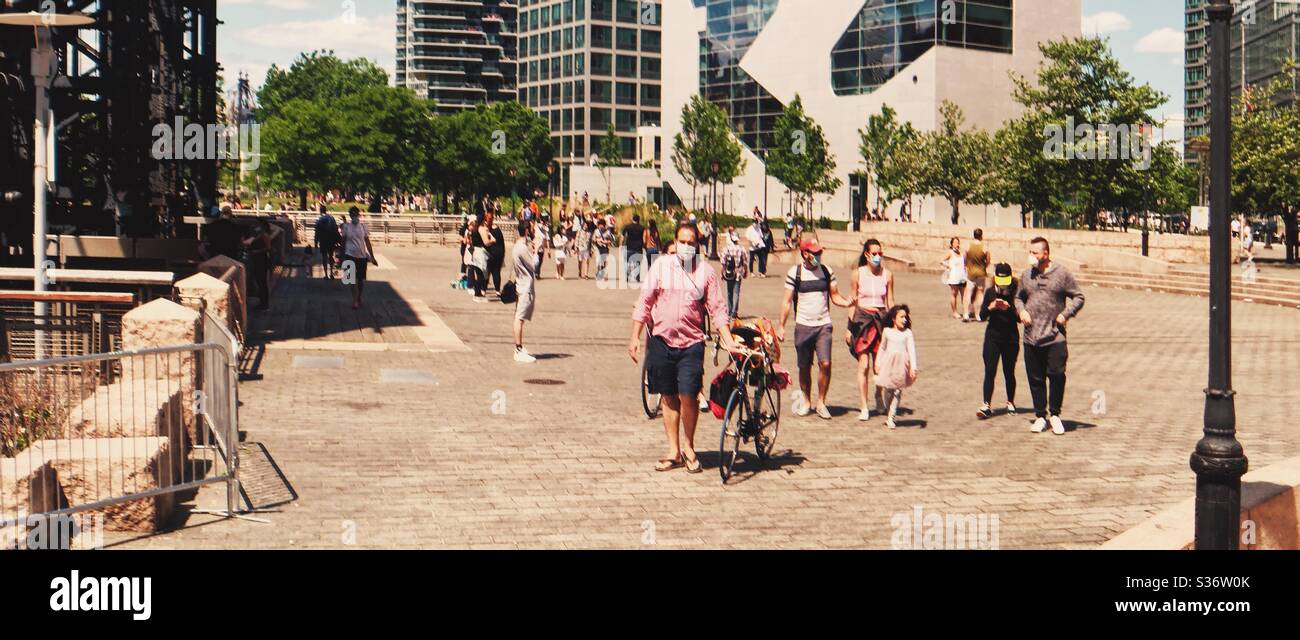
x: 798, y: 279
x: 729, y: 267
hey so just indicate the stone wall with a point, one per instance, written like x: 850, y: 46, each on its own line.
x: 925, y: 244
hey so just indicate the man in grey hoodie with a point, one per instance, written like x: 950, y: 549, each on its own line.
x: 1042, y: 306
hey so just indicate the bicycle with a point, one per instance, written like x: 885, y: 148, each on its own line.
x: 750, y: 416
x: 649, y: 400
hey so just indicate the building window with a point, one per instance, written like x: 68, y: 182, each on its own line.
x: 649, y: 95
x: 625, y: 93
x: 602, y: 64
x: 651, y: 41
x: 627, y: 67
x: 650, y: 68
x: 602, y: 37
x: 629, y: 11
x: 625, y: 120
x: 626, y: 39
x: 601, y: 91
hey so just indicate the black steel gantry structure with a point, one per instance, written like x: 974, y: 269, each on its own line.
x: 142, y: 64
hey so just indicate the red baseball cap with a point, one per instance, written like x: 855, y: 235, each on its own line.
x: 811, y: 245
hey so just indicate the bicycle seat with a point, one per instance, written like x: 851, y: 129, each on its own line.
x: 747, y: 334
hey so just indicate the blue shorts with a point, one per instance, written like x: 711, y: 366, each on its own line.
x: 674, y: 372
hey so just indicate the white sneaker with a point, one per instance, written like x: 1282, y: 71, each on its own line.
x: 864, y: 415
x: 523, y: 356
x: 1057, y: 427
x: 1039, y: 425
x: 1011, y: 409
x: 823, y: 412
x: 889, y: 422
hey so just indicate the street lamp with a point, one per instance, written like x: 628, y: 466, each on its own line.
x: 713, y: 237
x: 550, y: 178
x: 514, y: 192
x: 43, y: 66
x: 1219, y: 461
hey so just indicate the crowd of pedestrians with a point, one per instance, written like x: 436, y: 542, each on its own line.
x: 1028, y: 314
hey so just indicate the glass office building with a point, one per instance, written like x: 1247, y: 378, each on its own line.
x: 1270, y: 39
x: 888, y: 35
x: 586, y: 64
x: 732, y: 27
x: 458, y: 53
x: 885, y: 37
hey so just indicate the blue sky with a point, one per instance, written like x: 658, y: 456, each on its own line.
x: 1146, y: 35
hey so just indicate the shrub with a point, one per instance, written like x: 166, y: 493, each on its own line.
x: 29, y: 412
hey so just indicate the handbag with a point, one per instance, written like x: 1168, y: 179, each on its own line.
x: 720, y: 391
x: 510, y: 293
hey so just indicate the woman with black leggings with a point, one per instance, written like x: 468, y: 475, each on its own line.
x: 1001, y: 337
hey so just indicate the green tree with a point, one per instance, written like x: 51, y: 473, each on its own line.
x: 300, y: 148
x: 705, y: 150
x: 610, y: 156
x: 902, y: 175
x: 318, y: 75
x: 800, y: 157
x: 1022, y: 178
x: 958, y: 162
x: 1266, y: 156
x: 1082, y: 94
x: 379, y: 144
x: 878, y: 142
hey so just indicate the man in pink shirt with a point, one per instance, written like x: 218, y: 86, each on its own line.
x: 677, y: 294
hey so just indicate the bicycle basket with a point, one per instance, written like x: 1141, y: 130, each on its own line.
x: 720, y: 392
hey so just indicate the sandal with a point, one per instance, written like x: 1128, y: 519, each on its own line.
x: 668, y: 464
x: 693, y: 465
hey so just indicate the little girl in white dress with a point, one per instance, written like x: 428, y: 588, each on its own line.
x: 896, y: 364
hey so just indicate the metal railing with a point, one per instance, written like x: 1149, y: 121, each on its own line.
x: 73, y: 440
x: 390, y: 228
x: 73, y: 324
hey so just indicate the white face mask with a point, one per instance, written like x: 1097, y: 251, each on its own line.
x: 685, y: 252
x: 1033, y: 261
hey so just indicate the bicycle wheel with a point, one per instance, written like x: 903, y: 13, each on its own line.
x: 649, y: 401
x: 733, y: 430
x: 767, y: 420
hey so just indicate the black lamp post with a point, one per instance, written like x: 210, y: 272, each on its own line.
x: 550, y: 178
x: 713, y: 237
x: 1219, y: 461
x: 514, y: 192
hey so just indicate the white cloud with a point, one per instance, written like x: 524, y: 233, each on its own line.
x: 1105, y: 22
x: 1162, y: 40
x: 254, y: 49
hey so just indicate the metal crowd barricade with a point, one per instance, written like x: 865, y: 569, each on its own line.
x: 73, y: 441
x: 388, y: 228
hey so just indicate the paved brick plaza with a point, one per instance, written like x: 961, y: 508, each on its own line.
x: 456, y: 450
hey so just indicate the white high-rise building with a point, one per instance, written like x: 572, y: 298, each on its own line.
x: 458, y: 53
x: 845, y: 59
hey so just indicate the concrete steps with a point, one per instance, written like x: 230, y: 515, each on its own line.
x: 1274, y: 291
